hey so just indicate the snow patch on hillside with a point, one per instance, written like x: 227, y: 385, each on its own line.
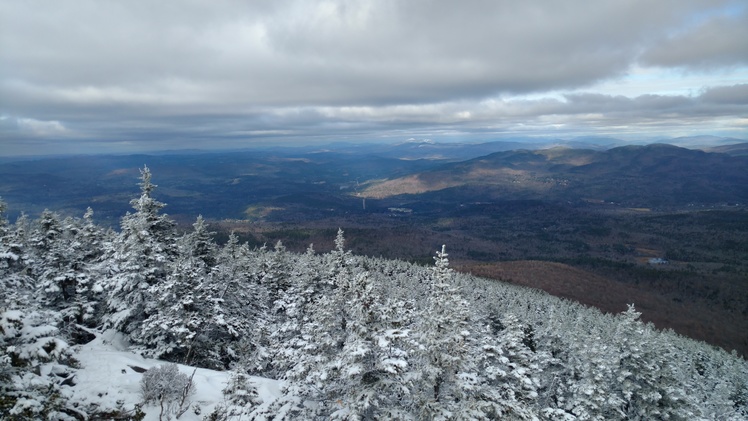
x: 110, y: 376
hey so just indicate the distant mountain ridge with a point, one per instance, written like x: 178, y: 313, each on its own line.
x: 651, y: 175
x: 733, y: 149
x: 231, y: 182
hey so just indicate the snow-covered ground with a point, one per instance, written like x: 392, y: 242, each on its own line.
x: 109, y: 378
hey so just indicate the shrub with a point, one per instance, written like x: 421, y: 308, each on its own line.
x: 166, y: 386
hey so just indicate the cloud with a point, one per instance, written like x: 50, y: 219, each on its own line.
x: 329, y: 52
x: 31, y: 127
x: 736, y: 94
x: 203, y: 71
x: 41, y: 128
x: 717, y: 42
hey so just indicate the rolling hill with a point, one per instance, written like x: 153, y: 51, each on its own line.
x: 635, y: 176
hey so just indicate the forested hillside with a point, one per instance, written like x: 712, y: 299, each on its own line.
x: 349, y: 337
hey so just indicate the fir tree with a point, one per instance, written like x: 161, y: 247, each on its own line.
x: 199, y: 243
x: 644, y: 378
x: 233, y: 309
x: 142, y: 253
x: 177, y: 315
x: 54, y: 250
x: 507, y: 387
x: 7, y: 257
x: 368, y: 375
x: 447, y: 380
x: 66, y: 280
x: 275, y: 272
x: 240, y: 397
x: 17, y: 287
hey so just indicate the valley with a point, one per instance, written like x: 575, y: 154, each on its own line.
x: 660, y: 226
x: 597, y: 257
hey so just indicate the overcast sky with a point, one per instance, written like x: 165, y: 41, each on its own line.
x: 100, y: 76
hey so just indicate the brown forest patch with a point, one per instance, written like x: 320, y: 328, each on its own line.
x: 694, y: 319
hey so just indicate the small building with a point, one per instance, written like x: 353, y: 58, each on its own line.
x: 657, y: 261
x: 400, y: 211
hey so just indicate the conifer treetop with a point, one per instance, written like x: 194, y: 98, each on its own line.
x: 145, y: 203
x: 3, y: 208
x: 340, y: 241
x: 146, y: 187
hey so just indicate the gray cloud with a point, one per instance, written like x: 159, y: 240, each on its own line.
x: 737, y: 94
x: 227, y: 70
x: 715, y: 43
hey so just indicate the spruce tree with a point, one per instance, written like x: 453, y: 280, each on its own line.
x: 644, y: 378
x: 233, y: 307
x: 199, y: 243
x: 7, y: 257
x: 447, y: 374
x: 141, y: 254
x: 369, y: 374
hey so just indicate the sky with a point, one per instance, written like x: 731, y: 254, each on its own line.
x: 91, y: 76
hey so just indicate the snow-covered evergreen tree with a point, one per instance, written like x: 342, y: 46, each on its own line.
x: 30, y: 340
x: 321, y: 338
x: 368, y: 374
x: 507, y: 371
x: 448, y: 379
x: 275, y: 272
x: 582, y: 390
x: 232, y: 310
x: 8, y: 259
x: 70, y: 250
x: 176, y: 316
x: 644, y: 378
x: 349, y: 359
x: 240, y: 397
x: 290, y: 312
x: 45, y: 234
x: 17, y: 286
x: 141, y: 255
x: 90, y: 242
x: 199, y: 243
x: 20, y: 245
x: 179, y: 313
x: 5, y: 255
x: 55, y: 246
